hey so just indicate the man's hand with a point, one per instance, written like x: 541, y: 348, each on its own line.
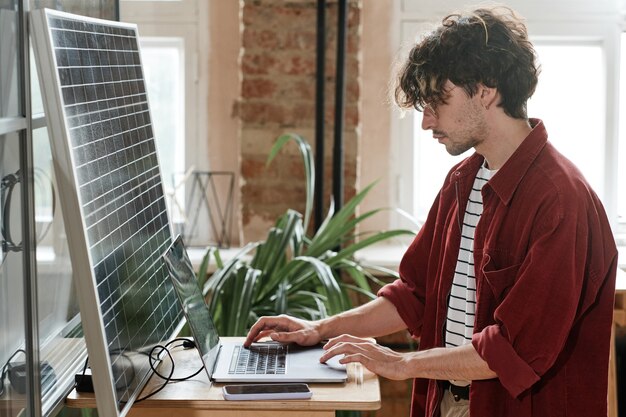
x: 378, y: 359
x: 284, y: 329
x: 461, y: 363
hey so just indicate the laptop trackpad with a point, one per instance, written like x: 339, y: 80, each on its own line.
x: 301, y: 358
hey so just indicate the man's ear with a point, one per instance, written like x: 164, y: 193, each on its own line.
x: 489, y: 96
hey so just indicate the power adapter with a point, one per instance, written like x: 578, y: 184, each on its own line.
x: 17, y: 376
x: 83, y: 381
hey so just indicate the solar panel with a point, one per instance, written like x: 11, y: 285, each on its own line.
x: 113, y: 202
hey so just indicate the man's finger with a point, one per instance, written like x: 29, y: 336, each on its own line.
x: 341, y: 349
x: 288, y: 337
x: 349, y: 339
x: 264, y: 333
x: 254, y: 334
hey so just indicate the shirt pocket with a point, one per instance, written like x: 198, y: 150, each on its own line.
x: 499, y: 279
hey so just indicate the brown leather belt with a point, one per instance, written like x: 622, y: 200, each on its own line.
x: 458, y: 393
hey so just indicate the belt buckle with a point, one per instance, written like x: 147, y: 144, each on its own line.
x: 458, y: 392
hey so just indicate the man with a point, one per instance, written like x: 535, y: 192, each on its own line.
x: 509, y: 284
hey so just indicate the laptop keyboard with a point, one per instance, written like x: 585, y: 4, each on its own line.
x: 259, y: 360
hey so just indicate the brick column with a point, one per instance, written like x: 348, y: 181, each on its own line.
x: 278, y: 96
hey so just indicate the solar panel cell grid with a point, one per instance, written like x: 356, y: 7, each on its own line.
x: 118, y: 188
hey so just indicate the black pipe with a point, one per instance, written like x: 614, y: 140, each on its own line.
x: 318, y: 203
x: 340, y: 80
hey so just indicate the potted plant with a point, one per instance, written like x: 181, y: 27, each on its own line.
x: 290, y: 272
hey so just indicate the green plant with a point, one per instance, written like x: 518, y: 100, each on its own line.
x: 290, y: 272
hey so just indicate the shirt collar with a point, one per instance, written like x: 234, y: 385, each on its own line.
x: 505, y: 181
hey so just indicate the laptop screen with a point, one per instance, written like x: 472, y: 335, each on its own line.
x: 193, y: 303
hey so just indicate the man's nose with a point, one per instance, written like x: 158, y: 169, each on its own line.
x: 429, y: 119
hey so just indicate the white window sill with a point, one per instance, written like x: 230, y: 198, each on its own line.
x: 385, y: 255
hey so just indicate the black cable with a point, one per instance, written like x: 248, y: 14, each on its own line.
x: 153, y: 358
x: 6, y: 187
x: 170, y: 379
x: 167, y: 379
x: 6, y: 367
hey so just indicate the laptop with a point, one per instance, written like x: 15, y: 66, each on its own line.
x: 227, y: 361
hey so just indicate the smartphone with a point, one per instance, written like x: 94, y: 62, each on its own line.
x: 266, y: 392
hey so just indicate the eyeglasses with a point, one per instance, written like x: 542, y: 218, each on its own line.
x: 432, y: 107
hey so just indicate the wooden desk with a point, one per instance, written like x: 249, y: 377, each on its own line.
x: 619, y: 319
x: 198, y: 398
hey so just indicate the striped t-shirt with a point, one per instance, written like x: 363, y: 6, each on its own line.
x: 462, y: 300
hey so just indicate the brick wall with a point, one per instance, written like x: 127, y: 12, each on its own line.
x: 278, y: 61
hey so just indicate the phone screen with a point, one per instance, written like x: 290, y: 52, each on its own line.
x: 266, y: 389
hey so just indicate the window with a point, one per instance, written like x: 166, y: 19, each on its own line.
x: 170, y: 35
x: 164, y: 66
x: 577, y: 98
x: 558, y: 96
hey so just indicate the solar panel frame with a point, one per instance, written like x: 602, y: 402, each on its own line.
x: 109, y: 180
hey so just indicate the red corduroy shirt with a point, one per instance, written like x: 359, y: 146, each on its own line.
x: 545, y: 264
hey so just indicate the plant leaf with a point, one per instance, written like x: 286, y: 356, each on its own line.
x: 309, y: 168
x: 337, y: 302
x: 213, y: 284
x: 357, y: 275
x: 377, y: 237
x: 204, y: 266
x: 337, y: 225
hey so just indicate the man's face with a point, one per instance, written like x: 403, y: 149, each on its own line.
x: 459, y: 123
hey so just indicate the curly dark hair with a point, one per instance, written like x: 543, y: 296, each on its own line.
x: 487, y: 46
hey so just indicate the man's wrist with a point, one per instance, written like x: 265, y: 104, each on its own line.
x: 324, y: 328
